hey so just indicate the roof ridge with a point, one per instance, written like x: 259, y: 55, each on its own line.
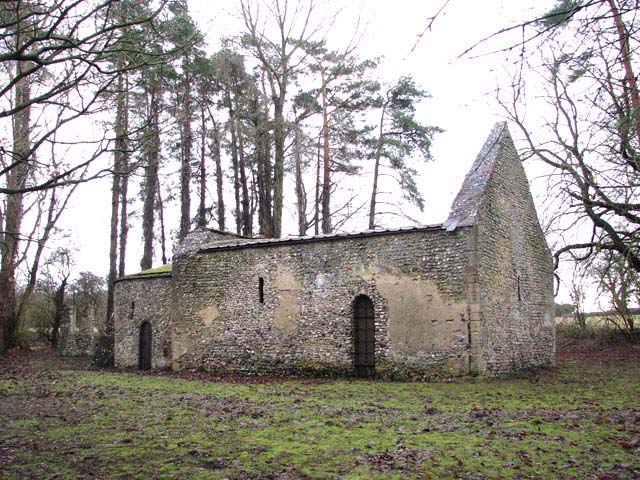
x: 465, y: 206
x: 316, y: 238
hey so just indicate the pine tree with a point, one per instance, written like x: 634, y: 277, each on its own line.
x: 400, y: 134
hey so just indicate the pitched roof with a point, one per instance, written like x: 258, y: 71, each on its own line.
x: 261, y: 242
x: 466, y: 204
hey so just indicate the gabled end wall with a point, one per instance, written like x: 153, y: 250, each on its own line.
x: 511, y: 286
x: 138, y: 300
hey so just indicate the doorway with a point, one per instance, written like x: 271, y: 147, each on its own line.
x: 144, y: 351
x: 364, y: 337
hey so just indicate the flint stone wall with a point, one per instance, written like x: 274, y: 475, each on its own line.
x: 77, y: 336
x: 200, y: 236
x: 138, y: 300
x: 416, y: 281
x: 473, y: 296
x: 515, y: 272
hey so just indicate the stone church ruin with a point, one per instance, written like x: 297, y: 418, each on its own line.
x: 473, y: 295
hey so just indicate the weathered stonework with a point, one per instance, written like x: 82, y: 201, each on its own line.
x: 305, y: 322
x: 140, y: 299
x: 515, y: 288
x: 471, y: 296
x: 511, y: 286
x: 203, y: 236
x: 78, y: 335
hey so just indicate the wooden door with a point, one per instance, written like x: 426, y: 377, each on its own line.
x: 364, y: 337
x: 144, y: 354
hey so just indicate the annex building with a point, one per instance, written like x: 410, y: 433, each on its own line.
x: 473, y: 295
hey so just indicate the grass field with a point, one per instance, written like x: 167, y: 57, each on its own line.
x: 60, y: 420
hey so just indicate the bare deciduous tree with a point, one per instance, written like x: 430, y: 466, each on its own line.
x: 589, y: 134
x: 621, y: 286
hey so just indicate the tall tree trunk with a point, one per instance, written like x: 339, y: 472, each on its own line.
x: 278, y: 164
x: 151, y: 176
x: 234, y: 164
x: 625, y: 58
x: 376, y: 169
x: 316, y: 212
x: 163, y: 238
x: 265, y: 218
x: 124, y: 220
x: 202, y: 215
x: 185, y: 170
x: 61, y: 311
x: 326, y: 180
x: 122, y: 145
x: 103, y: 355
x: 217, y: 156
x: 254, y: 194
x: 301, y: 195
x: 14, y: 212
x: 247, y: 227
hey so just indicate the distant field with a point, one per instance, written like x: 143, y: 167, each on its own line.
x: 593, y: 320
x: 579, y: 420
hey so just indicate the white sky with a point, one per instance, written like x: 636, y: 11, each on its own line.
x: 463, y: 99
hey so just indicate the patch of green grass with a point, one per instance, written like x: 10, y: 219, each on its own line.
x: 579, y: 420
x: 22, y: 424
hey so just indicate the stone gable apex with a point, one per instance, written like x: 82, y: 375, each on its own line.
x: 464, y: 209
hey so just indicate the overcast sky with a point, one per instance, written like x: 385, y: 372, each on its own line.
x: 463, y: 89
x: 463, y: 95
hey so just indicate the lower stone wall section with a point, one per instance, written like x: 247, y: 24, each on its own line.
x: 76, y: 342
x: 302, y: 321
x: 140, y: 300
